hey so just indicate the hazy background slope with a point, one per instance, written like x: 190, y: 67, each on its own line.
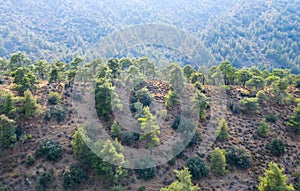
x: 263, y: 33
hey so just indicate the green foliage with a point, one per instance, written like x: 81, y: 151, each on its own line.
x: 263, y: 128
x: 294, y: 120
x: 222, y: 130
x: 146, y: 173
x: 30, y: 159
x: 54, y: 98
x: 184, y: 182
x: 41, y: 69
x: 172, y: 99
x: 8, y: 104
x: 261, y: 96
x: 218, y: 161
x: 277, y: 147
x: 278, y: 92
x: 249, y: 105
x: 200, y: 104
x: 51, y: 149
x: 18, y: 60
x: 149, y: 128
x: 103, y: 93
x: 7, y: 131
x: 197, y: 168
x: 24, y: 80
x: 114, y: 66
x: 273, y: 179
x: 144, y: 96
x: 176, y: 122
x: 177, y: 79
x: 30, y: 107
x: 116, y: 130
x: 188, y: 70
x: 239, y: 157
x: 228, y: 72
x: 73, y: 176
x: 271, y: 117
x: 46, y: 179
x: 242, y: 76
x: 256, y: 83
x: 57, y: 111
x: 128, y: 138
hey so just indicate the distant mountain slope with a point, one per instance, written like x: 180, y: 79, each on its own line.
x: 247, y: 33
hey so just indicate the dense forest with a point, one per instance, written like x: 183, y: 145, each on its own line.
x: 190, y: 127
x: 247, y: 33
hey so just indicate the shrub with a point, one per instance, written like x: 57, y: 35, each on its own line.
x: 146, y: 173
x: 197, y: 168
x: 261, y: 96
x: 51, y: 149
x: 277, y: 147
x: 59, y: 113
x: 54, y: 98
x: 30, y: 159
x: 7, y: 131
x: 218, y: 161
x: 46, y: 179
x: 73, y: 176
x: 263, y: 128
x: 222, y: 130
x: 144, y: 96
x: 249, y: 105
x: 116, y: 130
x: 128, y: 138
x: 142, y: 188
x: 172, y: 99
x: 176, y: 122
x: 239, y: 157
x: 271, y: 117
x: 235, y: 107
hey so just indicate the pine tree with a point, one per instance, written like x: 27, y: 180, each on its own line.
x: 7, y: 131
x: 218, y: 161
x: 222, y: 130
x: 30, y: 107
x: 263, y: 128
x: 294, y: 121
x: 274, y: 180
x: 149, y: 128
x: 184, y: 182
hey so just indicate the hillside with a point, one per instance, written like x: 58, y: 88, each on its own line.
x: 185, y: 110
x: 247, y: 33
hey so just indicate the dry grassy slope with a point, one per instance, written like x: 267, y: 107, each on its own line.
x: 17, y: 175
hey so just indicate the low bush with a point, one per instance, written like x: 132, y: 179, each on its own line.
x: 277, y: 147
x: 54, y: 98
x: 197, y: 168
x: 51, y: 149
x: 239, y: 157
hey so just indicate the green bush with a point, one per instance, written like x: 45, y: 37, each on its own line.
x: 222, y: 130
x: 146, y: 173
x: 73, y: 176
x: 277, y: 147
x: 271, y: 117
x: 54, y: 98
x: 142, y: 188
x: 197, y: 168
x: 128, y: 138
x: 218, y: 161
x: 46, y: 179
x: 176, y: 122
x: 30, y: 159
x: 239, y: 157
x: 7, y: 131
x: 263, y: 128
x: 115, y: 129
x: 51, y: 149
x: 249, y: 105
x: 261, y: 96
x: 57, y: 111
